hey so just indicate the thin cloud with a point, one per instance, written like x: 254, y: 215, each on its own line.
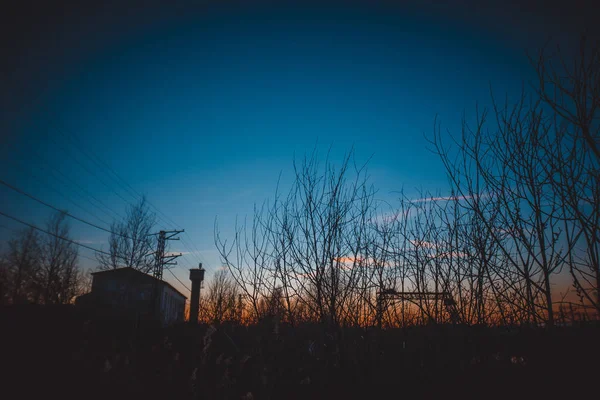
x: 440, y: 198
x: 88, y: 241
x: 450, y: 198
x: 349, y: 260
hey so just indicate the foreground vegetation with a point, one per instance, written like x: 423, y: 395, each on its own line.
x: 66, y: 353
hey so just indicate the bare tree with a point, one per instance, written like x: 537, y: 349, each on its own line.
x: 508, y: 164
x: 220, y: 303
x: 541, y: 162
x: 305, y: 249
x: 22, y: 265
x: 59, y: 274
x: 249, y: 258
x: 324, y: 209
x: 131, y: 243
x: 569, y: 85
x: 4, y: 281
x: 524, y: 204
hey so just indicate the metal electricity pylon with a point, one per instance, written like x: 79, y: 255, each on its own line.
x: 415, y: 298
x: 160, y: 260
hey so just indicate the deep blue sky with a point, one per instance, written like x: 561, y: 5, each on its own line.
x: 202, y: 107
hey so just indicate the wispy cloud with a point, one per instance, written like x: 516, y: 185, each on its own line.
x: 88, y: 241
x: 440, y: 198
x: 347, y: 263
x: 349, y: 260
x: 450, y: 198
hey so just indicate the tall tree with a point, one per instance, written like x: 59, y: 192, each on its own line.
x: 130, y: 242
x: 22, y: 265
x: 4, y: 280
x: 569, y: 85
x: 220, y: 303
x: 59, y: 275
x: 248, y: 259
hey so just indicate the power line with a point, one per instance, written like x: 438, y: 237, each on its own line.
x: 88, y: 170
x: 100, y: 163
x: 67, y: 213
x: 97, y: 160
x: 78, y: 254
x: 178, y: 280
x: 119, y: 180
x: 86, y: 257
x: 194, y: 251
x: 52, y: 234
x: 62, y: 211
x: 80, y: 188
x: 190, y: 252
x: 41, y: 182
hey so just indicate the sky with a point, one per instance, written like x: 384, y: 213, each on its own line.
x: 201, y: 106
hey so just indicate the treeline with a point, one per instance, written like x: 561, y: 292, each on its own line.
x: 40, y: 265
x: 41, y: 268
x: 524, y: 206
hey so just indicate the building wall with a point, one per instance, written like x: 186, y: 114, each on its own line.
x: 133, y: 293
x: 172, y: 305
x: 122, y: 291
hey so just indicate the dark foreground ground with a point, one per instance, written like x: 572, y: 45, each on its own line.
x: 60, y: 353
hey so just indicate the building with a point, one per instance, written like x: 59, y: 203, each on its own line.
x: 128, y: 291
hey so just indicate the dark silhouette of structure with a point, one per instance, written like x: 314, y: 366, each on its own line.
x: 196, y: 276
x: 415, y: 298
x: 130, y: 292
x: 160, y: 260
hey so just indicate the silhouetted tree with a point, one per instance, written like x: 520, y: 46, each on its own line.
x: 59, y: 276
x: 248, y: 258
x: 307, y: 245
x: 540, y: 161
x: 569, y: 85
x: 220, y: 301
x: 4, y: 280
x: 130, y: 243
x: 524, y: 203
x: 21, y: 267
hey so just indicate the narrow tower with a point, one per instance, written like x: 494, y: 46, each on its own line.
x: 196, y: 276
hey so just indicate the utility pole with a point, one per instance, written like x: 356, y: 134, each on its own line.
x: 160, y: 260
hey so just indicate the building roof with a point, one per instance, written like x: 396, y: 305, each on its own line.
x: 130, y: 271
